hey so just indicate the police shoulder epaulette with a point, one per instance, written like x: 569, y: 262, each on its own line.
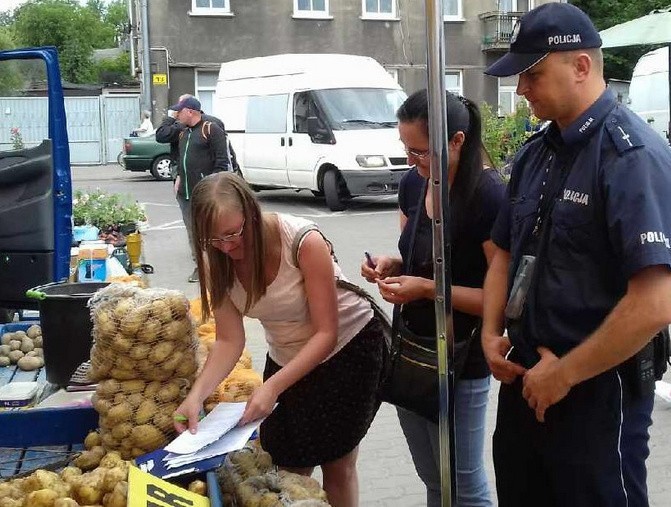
x: 623, y: 134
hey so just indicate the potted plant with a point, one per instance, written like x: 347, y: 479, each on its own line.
x: 108, y: 212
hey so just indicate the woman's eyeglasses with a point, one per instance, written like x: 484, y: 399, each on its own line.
x: 421, y: 155
x: 226, y: 239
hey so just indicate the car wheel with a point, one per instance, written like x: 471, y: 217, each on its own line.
x: 335, y: 190
x: 318, y: 193
x: 161, y: 168
x: 119, y: 159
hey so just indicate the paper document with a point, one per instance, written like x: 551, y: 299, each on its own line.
x: 220, y: 421
x: 232, y: 441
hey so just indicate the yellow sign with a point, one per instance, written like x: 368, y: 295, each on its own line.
x: 145, y: 490
x: 159, y: 79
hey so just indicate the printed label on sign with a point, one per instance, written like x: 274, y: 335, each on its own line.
x: 145, y: 490
x: 159, y: 79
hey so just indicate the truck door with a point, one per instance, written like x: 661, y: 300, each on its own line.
x: 35, y: 186
x: 266, y: 140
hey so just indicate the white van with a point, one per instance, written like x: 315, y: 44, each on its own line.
x: 323, y: 122
x: 649, y: 90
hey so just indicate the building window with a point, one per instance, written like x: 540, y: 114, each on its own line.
x: 311, y: 8
x: 453, y: 82
x: 453, y: 10
x: 507, y: 5
x: 508, y: 99
x: 378, y: 9
x: 206, y: 84
x: 210, y: 7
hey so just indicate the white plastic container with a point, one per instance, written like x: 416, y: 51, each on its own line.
x: 17, y: 394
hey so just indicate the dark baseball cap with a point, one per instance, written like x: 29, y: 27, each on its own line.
x: 187, y: 103
x: 547, y: 28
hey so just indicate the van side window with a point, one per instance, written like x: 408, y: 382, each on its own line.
x: 304, y: 108
x: 267, y: 114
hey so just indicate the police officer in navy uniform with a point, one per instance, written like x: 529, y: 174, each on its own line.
x: 589, y: 209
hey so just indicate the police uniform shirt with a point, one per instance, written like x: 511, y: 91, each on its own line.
x: 611, y: 218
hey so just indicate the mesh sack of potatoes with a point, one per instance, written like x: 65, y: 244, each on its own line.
x: 136, y: 416
x: 279, y: 489
x: 238, y: 386
x: 249, y: 461
x: 141, y: 334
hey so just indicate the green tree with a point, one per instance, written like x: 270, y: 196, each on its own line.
x: 504, y: 135
x: 116, y: 16
x: 11, y: 79
x: 114, y: 70
x: 619, y: 62
x: 73, y: 29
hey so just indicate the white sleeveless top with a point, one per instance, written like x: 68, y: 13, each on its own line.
x: 283, y: 310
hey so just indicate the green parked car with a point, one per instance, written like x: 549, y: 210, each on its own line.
x: 146, y: 154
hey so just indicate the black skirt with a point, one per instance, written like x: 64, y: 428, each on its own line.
x: 324, y: 416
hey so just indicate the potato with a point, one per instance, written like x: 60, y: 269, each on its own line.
x: 105, y: 327
x: 15, y: 355
x: 169, y: 392
x: 5, y: 361
x: 20, y: 335
x: 88, y: 493
x: 30, y: 363
x: 5, y: 350
x: 123, y: 308
x: 147, y: 437
x: 71, y: 474
x: 140, y: 351
x: 6, y: 501
x: 26, y: 345
x: 89, y: 460
x: 113, y: 477
x: 122, y: 373
x: 160, y: 352
x: 109, y: 442
x: 39, y: 351
x: 15, y: 345
x: 111, y: 460
x: 108, y: 388
x: 117, y: 498
x: 152, y: 389
x: 198, y: 487
x: 145, y: 412
x: 149, y: 332
x: 40, y: 479
x: 135, y: 399
x: 66, y: 502
x: 92, y: 439
x: 120, y: 413
x: 186, y: 368
x: 41, y: 498
x: 121, y: 431
x: 34, y: 331
x: 164, y: 420
x: 6, y: 338
x: 102, y: 406
x: 121, y: 343
x: 132, y: 386
x: 38, y: 341
x: 161, y: 311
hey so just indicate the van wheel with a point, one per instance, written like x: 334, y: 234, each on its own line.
x: 335, y: 190
x: 318, y: 193
x: 160, y: 169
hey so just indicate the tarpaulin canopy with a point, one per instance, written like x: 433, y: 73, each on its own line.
x: 654, y: 28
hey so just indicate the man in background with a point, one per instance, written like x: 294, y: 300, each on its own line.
x: 200, y: 147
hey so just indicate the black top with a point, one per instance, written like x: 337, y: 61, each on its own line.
x: 469, y: 264
x: 611, y: 218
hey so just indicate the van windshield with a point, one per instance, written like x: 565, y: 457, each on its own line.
x: 360, y: 108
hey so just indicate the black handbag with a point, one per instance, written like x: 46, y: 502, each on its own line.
x: 411, y: 380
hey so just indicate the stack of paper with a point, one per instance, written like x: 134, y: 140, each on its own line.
x: 217, y: 434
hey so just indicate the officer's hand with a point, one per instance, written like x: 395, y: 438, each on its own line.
x: 495, y: 349
x: 544, y: 384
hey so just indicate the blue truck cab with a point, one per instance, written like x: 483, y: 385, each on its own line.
x: 35, y: 182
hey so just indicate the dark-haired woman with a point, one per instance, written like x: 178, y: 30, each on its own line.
x: 324, y: 343
x: 407, y: 281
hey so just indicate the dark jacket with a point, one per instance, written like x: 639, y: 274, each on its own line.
x: 169, y: 130
x: 202, y: 150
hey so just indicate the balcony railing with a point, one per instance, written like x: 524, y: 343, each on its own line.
x: 498, y: 28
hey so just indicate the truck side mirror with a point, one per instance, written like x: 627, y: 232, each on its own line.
x: 318, y: 134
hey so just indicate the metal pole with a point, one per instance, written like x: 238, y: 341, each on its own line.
x: 146, y: 64
x: 441, y: 243
x: 132, y: 35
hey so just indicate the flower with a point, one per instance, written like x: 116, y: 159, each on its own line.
x: 16, y: 138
